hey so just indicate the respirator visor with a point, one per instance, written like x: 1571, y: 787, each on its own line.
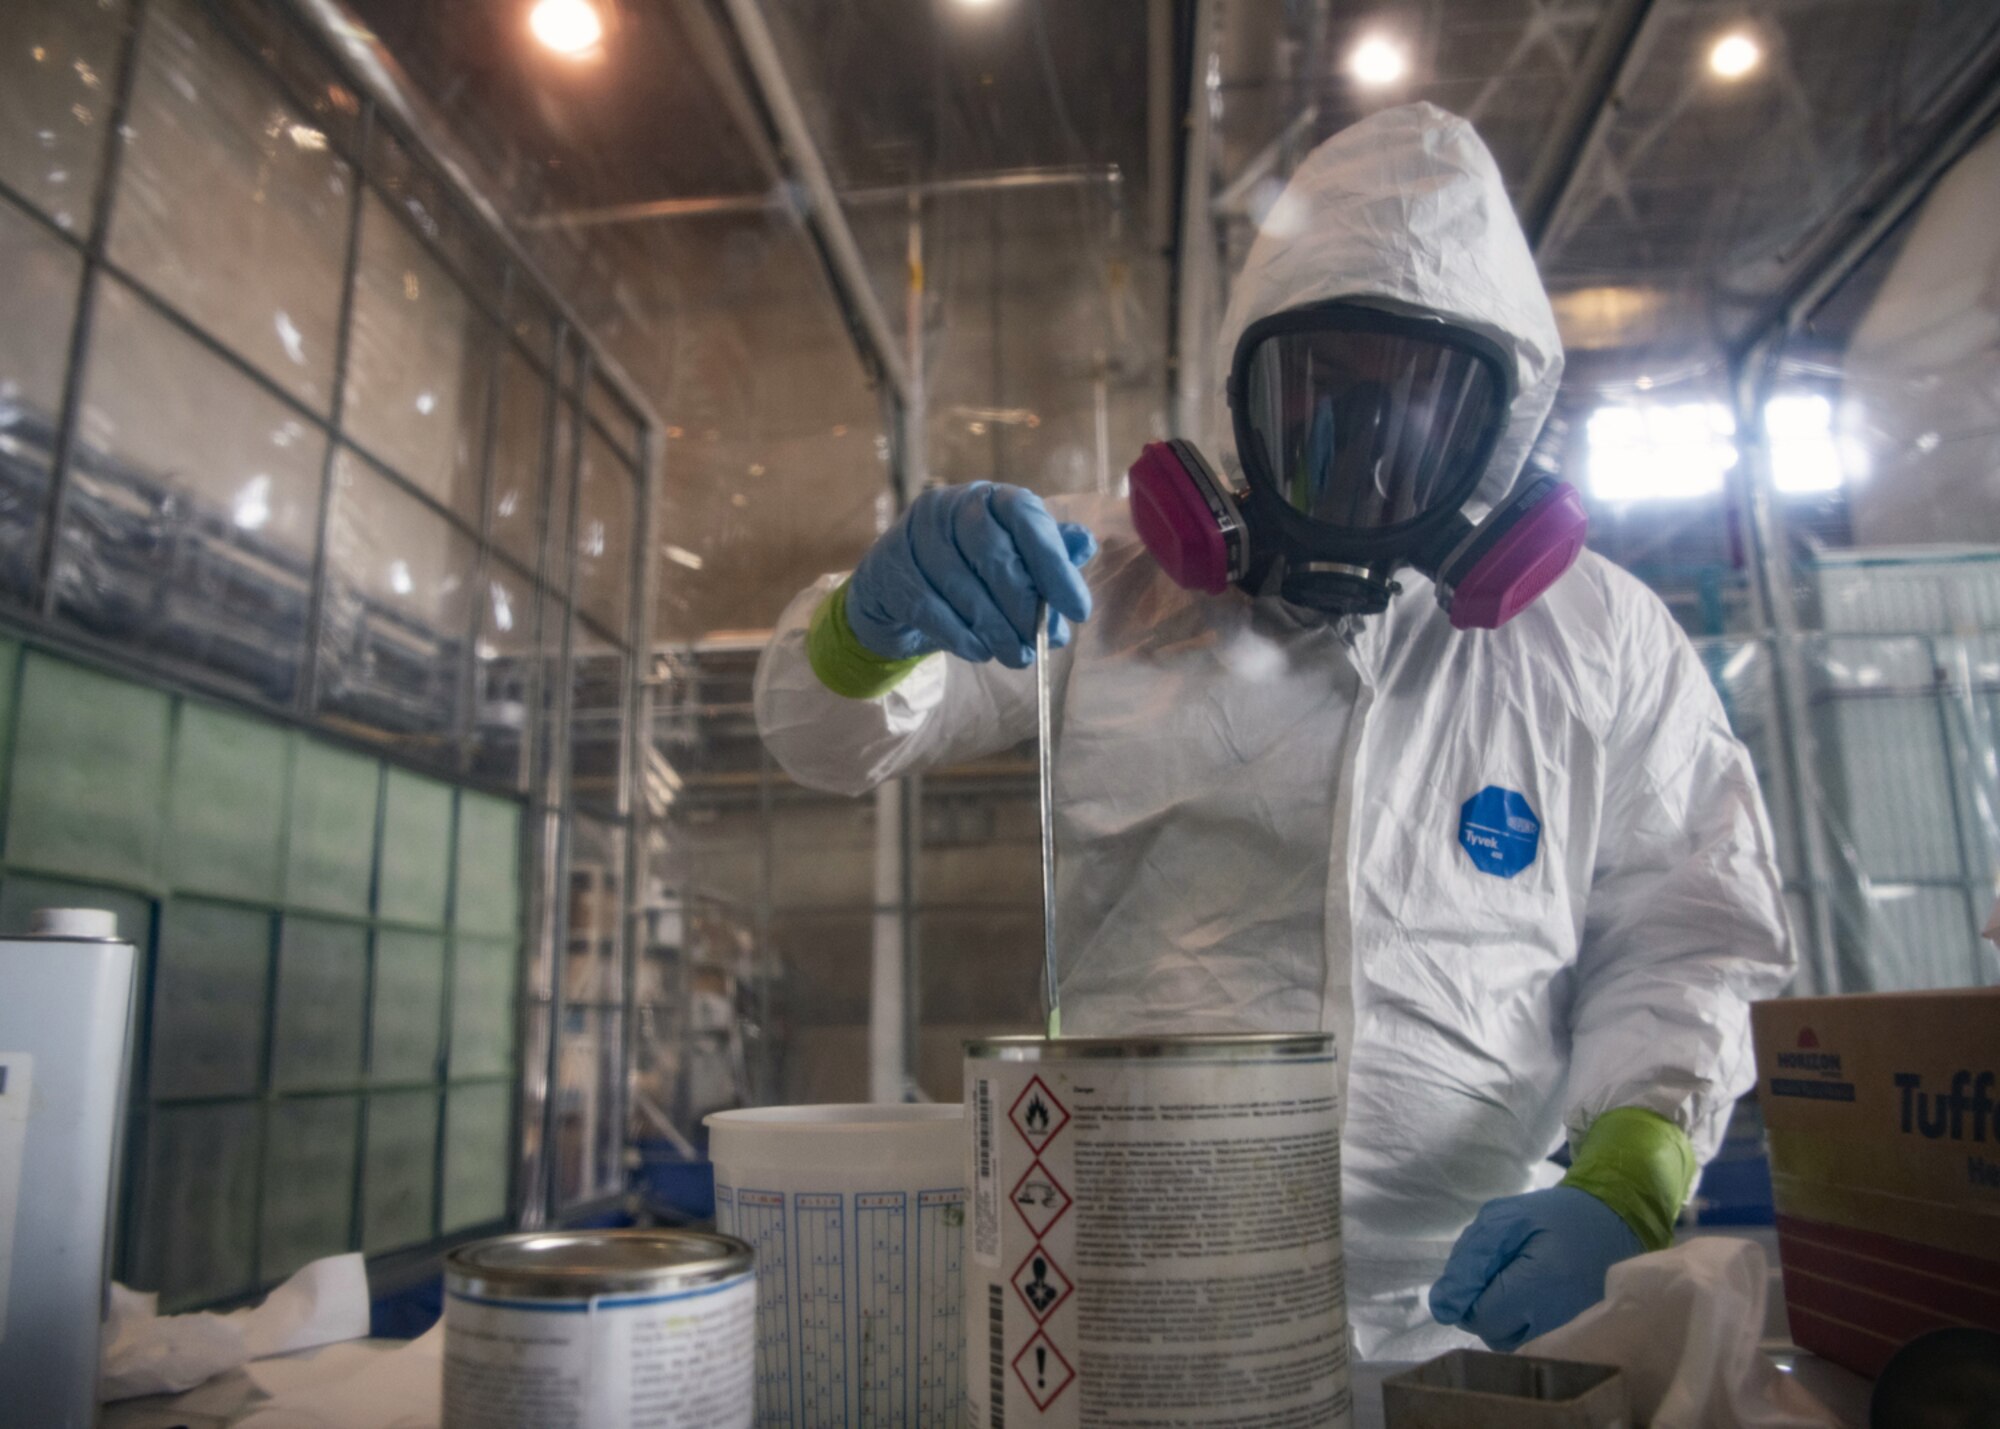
x: 1362, y: 420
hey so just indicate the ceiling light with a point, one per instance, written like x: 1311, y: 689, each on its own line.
x: 976, y: 4
x: 1735, y: 55
x: 1377, y: 61
x: 569, y: 27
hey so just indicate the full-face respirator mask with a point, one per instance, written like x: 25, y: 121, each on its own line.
x: 1362, y: 434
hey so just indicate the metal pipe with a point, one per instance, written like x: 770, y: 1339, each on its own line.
x: 551, y: 1206
x: 1877, y: 212
x: 1771, y: 590
x: 821, y: 204
x: 635, y: 739
x: 84, y: 323
x: 1199, y: 276
x: 488, y: 361
x: 1160, y: 124
x: 778, y: 199
x: 368, y: 62
x: 305, y: 696
x: 914, y: 467
x: 1616, y: 50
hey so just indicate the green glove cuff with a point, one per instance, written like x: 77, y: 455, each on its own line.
x: 1639, y: 1164
x: 843, y: 664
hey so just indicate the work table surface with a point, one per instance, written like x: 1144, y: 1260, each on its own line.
x: 228, y: 1400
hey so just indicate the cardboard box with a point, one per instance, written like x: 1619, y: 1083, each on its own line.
x: 1883, y: 1113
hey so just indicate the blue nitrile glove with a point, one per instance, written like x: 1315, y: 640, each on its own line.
x: 963, y: 570
x: 1529, y: 1263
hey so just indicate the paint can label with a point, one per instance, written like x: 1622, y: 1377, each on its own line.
x: 1169, y: 1245
x: 680, y: 1359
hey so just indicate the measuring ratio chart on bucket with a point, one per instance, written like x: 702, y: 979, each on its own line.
x: 856, y: 1215
x: 1155, y: 1233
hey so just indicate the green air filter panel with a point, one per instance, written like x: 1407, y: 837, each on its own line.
x: 409, y: 1007
x: 331, y: 863
x: 416, y: 850
x: 227, y: 821
x: 399, y: 1182
x: 489, y: 866
x: 89, y: 774
x: 322, y: 1002
x: 198, y: 1204
x: 311, y: 1146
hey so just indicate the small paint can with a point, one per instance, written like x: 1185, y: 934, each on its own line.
x: 600, y: 1330
x: 1155, y: 1233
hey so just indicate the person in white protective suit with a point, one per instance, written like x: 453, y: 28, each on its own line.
x: 1523, y: 872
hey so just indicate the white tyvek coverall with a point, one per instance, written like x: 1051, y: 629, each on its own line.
x: 1258, y: 812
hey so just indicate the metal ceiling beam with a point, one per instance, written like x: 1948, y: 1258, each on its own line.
x: 1844, y: 245
x: 778, y: 199
x: 1610, y: 60
x: 802, y: 167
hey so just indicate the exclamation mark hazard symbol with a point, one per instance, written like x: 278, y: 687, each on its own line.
x: 1042, y: 1371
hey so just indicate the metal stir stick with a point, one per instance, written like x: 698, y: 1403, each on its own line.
x: 1045, y: 757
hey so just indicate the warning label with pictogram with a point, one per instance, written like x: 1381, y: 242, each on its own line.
x: 1041, y: 1284
x: 1040, y: 1198
x: 1037, y: 1115
x: 1042, y: 1370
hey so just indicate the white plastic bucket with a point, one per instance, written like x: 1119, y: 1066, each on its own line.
x: 857, y: 1215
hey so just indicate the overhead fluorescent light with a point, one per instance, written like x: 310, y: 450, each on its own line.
x: 572, y: 28
x: 1378, y: 61
x: 1735, y: 55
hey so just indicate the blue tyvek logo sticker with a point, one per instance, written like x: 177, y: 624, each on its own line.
x: 1498, y: 831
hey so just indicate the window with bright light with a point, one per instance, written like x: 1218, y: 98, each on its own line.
x: 1804, y: 455
x: 1659, y: 451
x: 1684, y: 451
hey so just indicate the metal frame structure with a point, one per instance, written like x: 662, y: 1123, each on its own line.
x: 572, y: 369
x: 735, y: 43
x: 552, y: 807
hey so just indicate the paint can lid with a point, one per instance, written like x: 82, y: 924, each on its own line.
x: 94, y: 923
x: 584, y: 1264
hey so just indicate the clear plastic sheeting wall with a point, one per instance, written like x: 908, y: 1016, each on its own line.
x: 1038, y: 319
x: 284, y: 418
x: 1900, y: 370
x: 997, y: 177
x: 778, y: 445
x: 753, y: 974
x: 998, y: 182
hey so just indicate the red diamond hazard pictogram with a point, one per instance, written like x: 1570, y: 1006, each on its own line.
x: 1037, y: 1115
x: 1040, y: 1199
x: 1042, y: 1370
x: 1041, y: 1284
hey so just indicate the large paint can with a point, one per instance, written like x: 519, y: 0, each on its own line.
x: 1155, y: 1233
x: 599, y: 1330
